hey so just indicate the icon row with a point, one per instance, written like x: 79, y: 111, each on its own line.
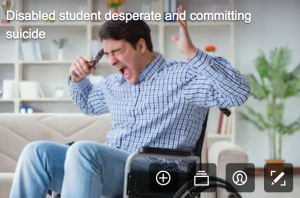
x: 277, y: 177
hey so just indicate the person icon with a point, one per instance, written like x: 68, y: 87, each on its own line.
x: 239, y: 178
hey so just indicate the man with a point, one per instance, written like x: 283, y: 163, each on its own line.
x: 152, y: 101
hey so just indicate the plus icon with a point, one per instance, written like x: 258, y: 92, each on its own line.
x: 161, y: 176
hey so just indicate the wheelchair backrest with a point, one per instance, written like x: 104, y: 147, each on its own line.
x: 200, y: 144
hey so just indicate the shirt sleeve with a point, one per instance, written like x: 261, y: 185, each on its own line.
x: 88, y: 98
x: 212, y: 82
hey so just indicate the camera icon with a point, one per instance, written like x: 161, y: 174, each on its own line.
x: 201, y: 179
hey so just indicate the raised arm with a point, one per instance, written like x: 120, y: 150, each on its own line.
x: 88, y: 98
x: 212, y: 82
x: 209, y: 81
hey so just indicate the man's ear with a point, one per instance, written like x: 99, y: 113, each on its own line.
x: 141, y: 46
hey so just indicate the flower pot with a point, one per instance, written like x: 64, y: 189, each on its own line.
x: 59, y: 92
x: 274, y: 165
x: 60, y: 54
x: 5, y: 21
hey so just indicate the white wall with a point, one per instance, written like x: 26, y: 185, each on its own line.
x: 275, y: 23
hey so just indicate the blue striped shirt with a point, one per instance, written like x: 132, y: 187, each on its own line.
x: 168, y: 106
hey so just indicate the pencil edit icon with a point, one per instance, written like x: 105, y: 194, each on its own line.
x: 278, y: 178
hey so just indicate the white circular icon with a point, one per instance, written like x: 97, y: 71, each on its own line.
x: 163, y: 178
x: 239, y: 178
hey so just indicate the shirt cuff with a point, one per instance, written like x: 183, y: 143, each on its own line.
x: 78, y: 86
x: 201, y: 60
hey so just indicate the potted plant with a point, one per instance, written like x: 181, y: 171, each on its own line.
x: 60, y: 43
x: 274, y: 86
x: 115, y: 4
x: 210, y: 49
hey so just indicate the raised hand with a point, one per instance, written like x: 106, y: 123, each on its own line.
x: 80, y: 67
x: 184, y: 42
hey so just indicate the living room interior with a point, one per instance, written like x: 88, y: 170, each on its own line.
x: 35, y: 103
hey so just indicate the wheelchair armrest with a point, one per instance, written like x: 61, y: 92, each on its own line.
x: 165, y: 151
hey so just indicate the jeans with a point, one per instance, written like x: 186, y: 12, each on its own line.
x: 85, y: 169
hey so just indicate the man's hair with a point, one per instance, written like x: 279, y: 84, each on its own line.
x: 132, y: 32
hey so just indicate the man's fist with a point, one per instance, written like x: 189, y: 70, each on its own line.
x: 80, y: 67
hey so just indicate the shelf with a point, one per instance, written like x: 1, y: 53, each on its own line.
x: 7, y: 100
x: 10, y: 25
x: 51, y: 62
x: 51, y: 73
x: 7, y: 106
x: 93, y: 24
x: 6, y: 63
x: 46, y: 100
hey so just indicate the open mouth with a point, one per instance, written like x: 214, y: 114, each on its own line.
x: 124, y: 71
x: 121, y: 69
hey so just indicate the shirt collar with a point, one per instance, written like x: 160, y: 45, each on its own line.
x: 155, y: 66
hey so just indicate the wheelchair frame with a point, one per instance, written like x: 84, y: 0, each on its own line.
x: 217, y: 182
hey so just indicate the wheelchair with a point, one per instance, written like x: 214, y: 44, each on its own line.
x: 135, y: 188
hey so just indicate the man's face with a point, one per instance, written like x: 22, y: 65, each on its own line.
x: 124, y: 58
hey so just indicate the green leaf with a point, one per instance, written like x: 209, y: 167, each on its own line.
x: 262, y: 66
x: 296, y: 71
x: 278, y: 114
x: 115, y: 5
x: 280, y: 58
x: 291, y: 128
x: 287, y: 77
x: 292, y: 88
x: 60, y: 43
x: 292, y: 82
x: 275, y: 113
x: 257, y: 90
x: 278, y: 86
x: 255, y: 118
x: 55, y: 41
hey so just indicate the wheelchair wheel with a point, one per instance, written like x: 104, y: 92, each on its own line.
x: 191, y: 191
x: 196, y: 192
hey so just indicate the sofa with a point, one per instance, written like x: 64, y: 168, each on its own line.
x: 17, y: 130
